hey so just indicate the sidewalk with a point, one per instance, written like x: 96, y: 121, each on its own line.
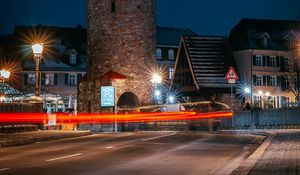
x: 278, y: 155
x: 15, y: 139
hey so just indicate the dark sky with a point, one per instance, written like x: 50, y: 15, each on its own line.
x: 210, y: 17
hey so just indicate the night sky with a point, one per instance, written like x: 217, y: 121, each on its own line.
x: 211, y: 17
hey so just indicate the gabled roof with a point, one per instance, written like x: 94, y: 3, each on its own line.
x: 244, y: 34
x: 171, y: 36
x: 209, y: 59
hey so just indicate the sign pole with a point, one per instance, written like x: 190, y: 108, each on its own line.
x: 116, y: 112
x: 231, y: 76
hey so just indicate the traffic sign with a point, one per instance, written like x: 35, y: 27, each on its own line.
x: 107, y: 96
x: 231, y: 74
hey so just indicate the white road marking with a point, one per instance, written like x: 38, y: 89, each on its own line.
x: 4, y: 169
x: 109, y: 147
x: 64, y: 157
x: 153, y: 138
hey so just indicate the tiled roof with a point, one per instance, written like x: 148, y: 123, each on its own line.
x: 210, y: 58
x: 171, y: 36
x: 244, y: 34
x: 49, y: 64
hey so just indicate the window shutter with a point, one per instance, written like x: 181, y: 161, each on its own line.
x: 278, y: 81
x: 25, y: 79
x: 55, y: 79
x: 268, y: 81
x: 66, y: 79
x: 78, y: 78
x: 282, y: 83
x: 264, y: 59
x: 43, y: 79
x: 254, y: 79
x: 264, y: 80
x: 278, y: 61
x: 268, y: 61
x: 254, y: 60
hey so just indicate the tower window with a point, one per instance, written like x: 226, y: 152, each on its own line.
x: 113, y: 7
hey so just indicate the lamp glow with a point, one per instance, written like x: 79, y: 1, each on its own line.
x: 37, y: 49
x: 156, y: 78
x: 247, y: 90
x: 4, y: 73
x: 260, y: 93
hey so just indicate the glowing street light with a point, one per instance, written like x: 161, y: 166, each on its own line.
x: 267, y: 94
x: 156, y: 79
x: 260, y: 93
x: 157, y: 93
x: 37, y: 51
x: 247, y: 90
x: 171, y: 99
x: 4, y: 74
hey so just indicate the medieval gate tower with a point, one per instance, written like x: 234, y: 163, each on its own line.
x: 121, y: 52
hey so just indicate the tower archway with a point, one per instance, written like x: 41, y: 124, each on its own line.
x: 128, y: 100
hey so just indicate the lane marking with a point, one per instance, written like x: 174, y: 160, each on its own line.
x: 109, y: 147
x: 153, y: 138
x: 64, y: 157
x: 4, y: 169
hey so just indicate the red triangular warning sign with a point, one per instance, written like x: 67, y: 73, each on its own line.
x: 231, y: 74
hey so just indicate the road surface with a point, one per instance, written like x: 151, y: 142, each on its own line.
x: 147, y: 153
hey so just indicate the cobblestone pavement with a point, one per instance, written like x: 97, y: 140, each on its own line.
x: 281, y: 157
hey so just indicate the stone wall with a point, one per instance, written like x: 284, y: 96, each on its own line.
x: 121, y: 39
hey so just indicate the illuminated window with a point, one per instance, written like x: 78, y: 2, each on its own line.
x: 273, y: 81
x: 171, y: 54
x: 259, y: 60
x: 259, y: 80
x: 31, y: 79
x: 72, y: 80
x: 272, y: 61
x: 49, y: 79
x: 171, y: 72
x: 158, y: 53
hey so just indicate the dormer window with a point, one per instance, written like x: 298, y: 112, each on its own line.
x: 73, y: 59
x: 158, y: 53
x: 171, y: 54
x: 265, y: 42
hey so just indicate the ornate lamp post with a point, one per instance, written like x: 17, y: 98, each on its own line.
x: 37, y: 51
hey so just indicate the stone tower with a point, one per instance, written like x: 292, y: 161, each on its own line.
x: 121, y: 52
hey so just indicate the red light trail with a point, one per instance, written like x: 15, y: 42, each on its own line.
x: 21, y: 118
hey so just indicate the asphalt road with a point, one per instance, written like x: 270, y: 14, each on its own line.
x: 150, y: 153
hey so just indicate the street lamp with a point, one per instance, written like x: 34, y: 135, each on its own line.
x: 156, y: 79
x: 4, y: 74
x: 37, y: 51
x: 171, y: 99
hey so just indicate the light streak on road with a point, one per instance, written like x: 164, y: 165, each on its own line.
x: 23, y: 118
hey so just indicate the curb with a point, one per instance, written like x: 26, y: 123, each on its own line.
x: 249, y: 163
x: 31, y: 140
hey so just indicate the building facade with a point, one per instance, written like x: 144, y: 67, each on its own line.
x: 266, y: 53
x: 61, y: 68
